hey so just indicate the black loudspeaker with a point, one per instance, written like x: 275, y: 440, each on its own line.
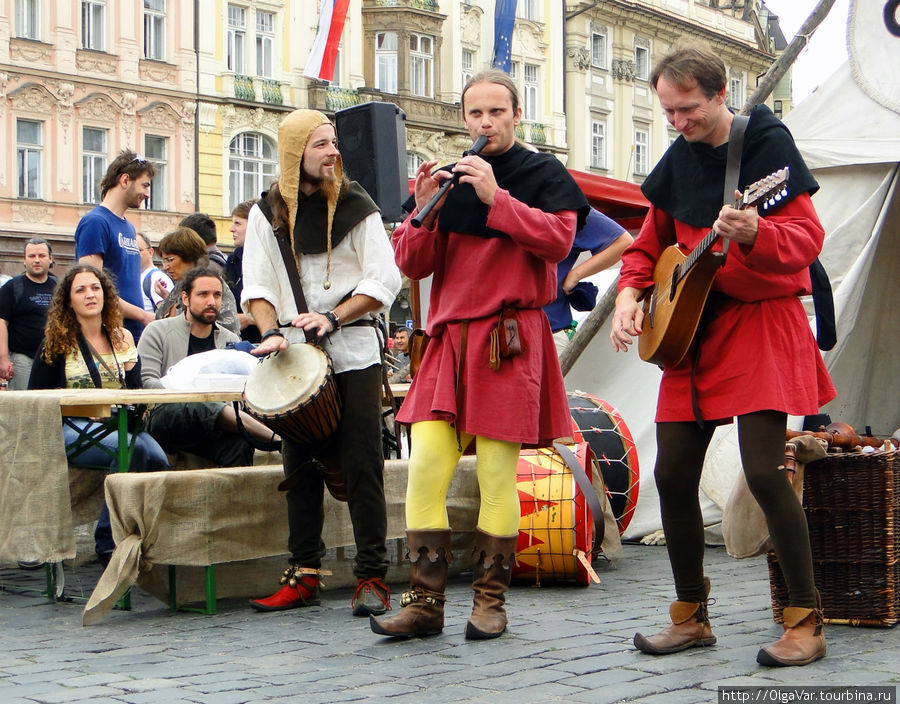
x: 372, y: 141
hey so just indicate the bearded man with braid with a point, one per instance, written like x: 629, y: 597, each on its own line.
x: 348, y: 277
x: 492, y: 245
x: 755, y: 357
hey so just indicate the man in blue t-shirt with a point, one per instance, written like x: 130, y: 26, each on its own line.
x: 605, y: 240
x: 107, y: 240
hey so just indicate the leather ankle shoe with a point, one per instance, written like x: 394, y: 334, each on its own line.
x: 371, y: 598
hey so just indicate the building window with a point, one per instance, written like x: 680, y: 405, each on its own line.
x: 251, y: 167
x: 386, y: 62
x: 514, y: 70
x: 156, y: 152
x: 28, y: 158
x: 421, y: 61
x: 237, y: 29
x: 736, y: 91
x: 527, y: 10
x: 92, y: 24
x: 265, y: 39
x: 28, y: 19
x: 413, y: 162
x: 93, y: 163
x: 598, y: 50
x: 155, y: 29
x: 468, y: 65
x: 641, y: 152
x: 642, y: 63
x: 530, y: 93
x: 598, y: 145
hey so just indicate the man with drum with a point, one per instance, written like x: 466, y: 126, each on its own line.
x: 755, y: 358
x: 335, y: 237
x: 208, y: 429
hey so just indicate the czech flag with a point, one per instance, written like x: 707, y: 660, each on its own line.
x: 332, y: 14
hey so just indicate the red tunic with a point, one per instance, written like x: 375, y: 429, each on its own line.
x: 758, y: 352
x: 474, y: 277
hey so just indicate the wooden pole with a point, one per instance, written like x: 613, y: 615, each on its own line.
x: 606, y: 305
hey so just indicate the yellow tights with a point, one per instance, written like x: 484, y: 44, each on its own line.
x: 432, y: 461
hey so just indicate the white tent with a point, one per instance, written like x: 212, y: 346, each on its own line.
x: 852, y: 144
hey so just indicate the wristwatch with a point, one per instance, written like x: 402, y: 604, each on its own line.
x: 333, y: 319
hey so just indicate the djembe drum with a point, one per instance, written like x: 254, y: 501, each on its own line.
x: 601, y: 425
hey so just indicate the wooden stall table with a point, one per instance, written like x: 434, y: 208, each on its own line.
x: 37, y: 486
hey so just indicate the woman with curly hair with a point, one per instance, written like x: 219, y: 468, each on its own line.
x: 85, y: 346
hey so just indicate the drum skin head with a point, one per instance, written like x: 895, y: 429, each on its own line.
x: 285, y: 379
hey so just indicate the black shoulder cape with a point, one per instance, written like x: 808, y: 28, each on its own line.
x: 537, y: 179
x: 310, y: 235
x: 687, y: 182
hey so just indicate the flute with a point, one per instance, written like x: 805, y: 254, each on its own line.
x: 476, y: 148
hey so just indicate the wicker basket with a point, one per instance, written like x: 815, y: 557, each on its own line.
x: 852, y: 504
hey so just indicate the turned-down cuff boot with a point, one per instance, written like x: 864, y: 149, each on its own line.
x: 491, y: 572
x: 803, y: 640
x: 422, y: 612
x: 689, y: 628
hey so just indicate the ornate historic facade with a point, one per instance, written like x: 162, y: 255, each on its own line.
x: 82, y: 79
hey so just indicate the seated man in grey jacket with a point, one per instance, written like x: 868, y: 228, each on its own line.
x: 208, y: 429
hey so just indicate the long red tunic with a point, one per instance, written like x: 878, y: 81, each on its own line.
x: 474, y: 277
x: 758, y: 352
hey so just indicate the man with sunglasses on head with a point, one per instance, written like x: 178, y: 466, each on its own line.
x: 107, y: 240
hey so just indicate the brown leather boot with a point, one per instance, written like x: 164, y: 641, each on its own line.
x: 689, y: 628
x: 491, y: 573
x: 423, y: 605
x: 803, y: 640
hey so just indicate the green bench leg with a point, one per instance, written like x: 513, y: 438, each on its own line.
x: 210, y: 588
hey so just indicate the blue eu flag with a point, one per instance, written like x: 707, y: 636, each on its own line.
x: 504, y: 21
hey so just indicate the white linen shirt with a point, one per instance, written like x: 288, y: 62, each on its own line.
x: 363, y: 262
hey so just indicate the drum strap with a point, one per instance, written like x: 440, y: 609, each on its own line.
x: 584, y: 483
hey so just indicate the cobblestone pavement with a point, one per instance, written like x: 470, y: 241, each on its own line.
x: 565, y: 643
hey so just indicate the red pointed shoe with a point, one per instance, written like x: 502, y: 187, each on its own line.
x: 301, y: 588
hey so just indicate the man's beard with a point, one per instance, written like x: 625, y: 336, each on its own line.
x: 204, y: 315
x: 330, y: 187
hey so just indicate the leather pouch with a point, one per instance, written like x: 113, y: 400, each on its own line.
x: 418, y: 342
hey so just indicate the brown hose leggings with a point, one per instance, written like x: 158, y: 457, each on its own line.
x: 681, y: 449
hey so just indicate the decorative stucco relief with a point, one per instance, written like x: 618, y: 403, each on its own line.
x: 30, y: 52
x: 530, y: 38
x: 579, y: 57
x: 32, y: 213
x: 156, y: 72
x: 32, y: 97
x: 157, y: 224
x: 65, y: 108
x: 160, y: 116
x: 239, y: 119
x: 4, y: 80
x: 95, y: 62
x: 99, y: 106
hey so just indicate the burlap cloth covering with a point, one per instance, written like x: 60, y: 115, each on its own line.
x: 41, y: 499
x: 217, y: 516
x: 743, y: 522
x: 237, y: 520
